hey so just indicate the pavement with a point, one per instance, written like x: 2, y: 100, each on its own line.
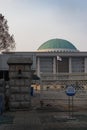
x: 45, y: 119
x: 41, y: 120
x: 23, y: 120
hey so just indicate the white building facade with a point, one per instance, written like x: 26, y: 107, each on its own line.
x: 57, y: 62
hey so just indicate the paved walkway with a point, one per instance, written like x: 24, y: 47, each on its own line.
x: 32, y: 120
x: 23, y: 120
x: 41, y: 120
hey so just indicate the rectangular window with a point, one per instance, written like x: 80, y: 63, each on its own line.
x: 46, y: 64
x: 63, y: 66
x: 78, y: 64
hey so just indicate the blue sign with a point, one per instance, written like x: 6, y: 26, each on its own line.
x: 70, y: 91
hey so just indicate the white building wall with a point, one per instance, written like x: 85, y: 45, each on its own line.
x: 4, y: 58
x: 3, y: 62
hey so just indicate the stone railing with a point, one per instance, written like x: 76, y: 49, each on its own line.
x: 64, y: 76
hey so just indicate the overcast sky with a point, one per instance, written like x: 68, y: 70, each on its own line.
x: 33, y: 22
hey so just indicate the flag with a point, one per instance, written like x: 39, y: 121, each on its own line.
x: 59, y: 58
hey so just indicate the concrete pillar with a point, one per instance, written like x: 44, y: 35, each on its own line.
x: 85, y: 65
x: 54, y: 65
x: 38, y: 66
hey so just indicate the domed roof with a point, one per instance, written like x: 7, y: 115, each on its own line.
x: 57, y: 45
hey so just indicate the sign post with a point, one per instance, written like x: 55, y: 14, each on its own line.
x: 70, y: 91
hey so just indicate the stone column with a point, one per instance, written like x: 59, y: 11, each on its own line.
x: 38, y: 66
x: 54, y: 65
x: 85, y: 65
x: 20, y: 75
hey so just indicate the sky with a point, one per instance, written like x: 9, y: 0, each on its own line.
x: 33, y: 22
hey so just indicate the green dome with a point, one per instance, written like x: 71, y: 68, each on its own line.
x: 57, y: 44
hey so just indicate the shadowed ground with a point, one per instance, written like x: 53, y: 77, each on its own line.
x: 43, y: 120
x: 49, y: 117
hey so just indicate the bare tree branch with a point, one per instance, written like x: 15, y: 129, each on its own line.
x: 7, y: 41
